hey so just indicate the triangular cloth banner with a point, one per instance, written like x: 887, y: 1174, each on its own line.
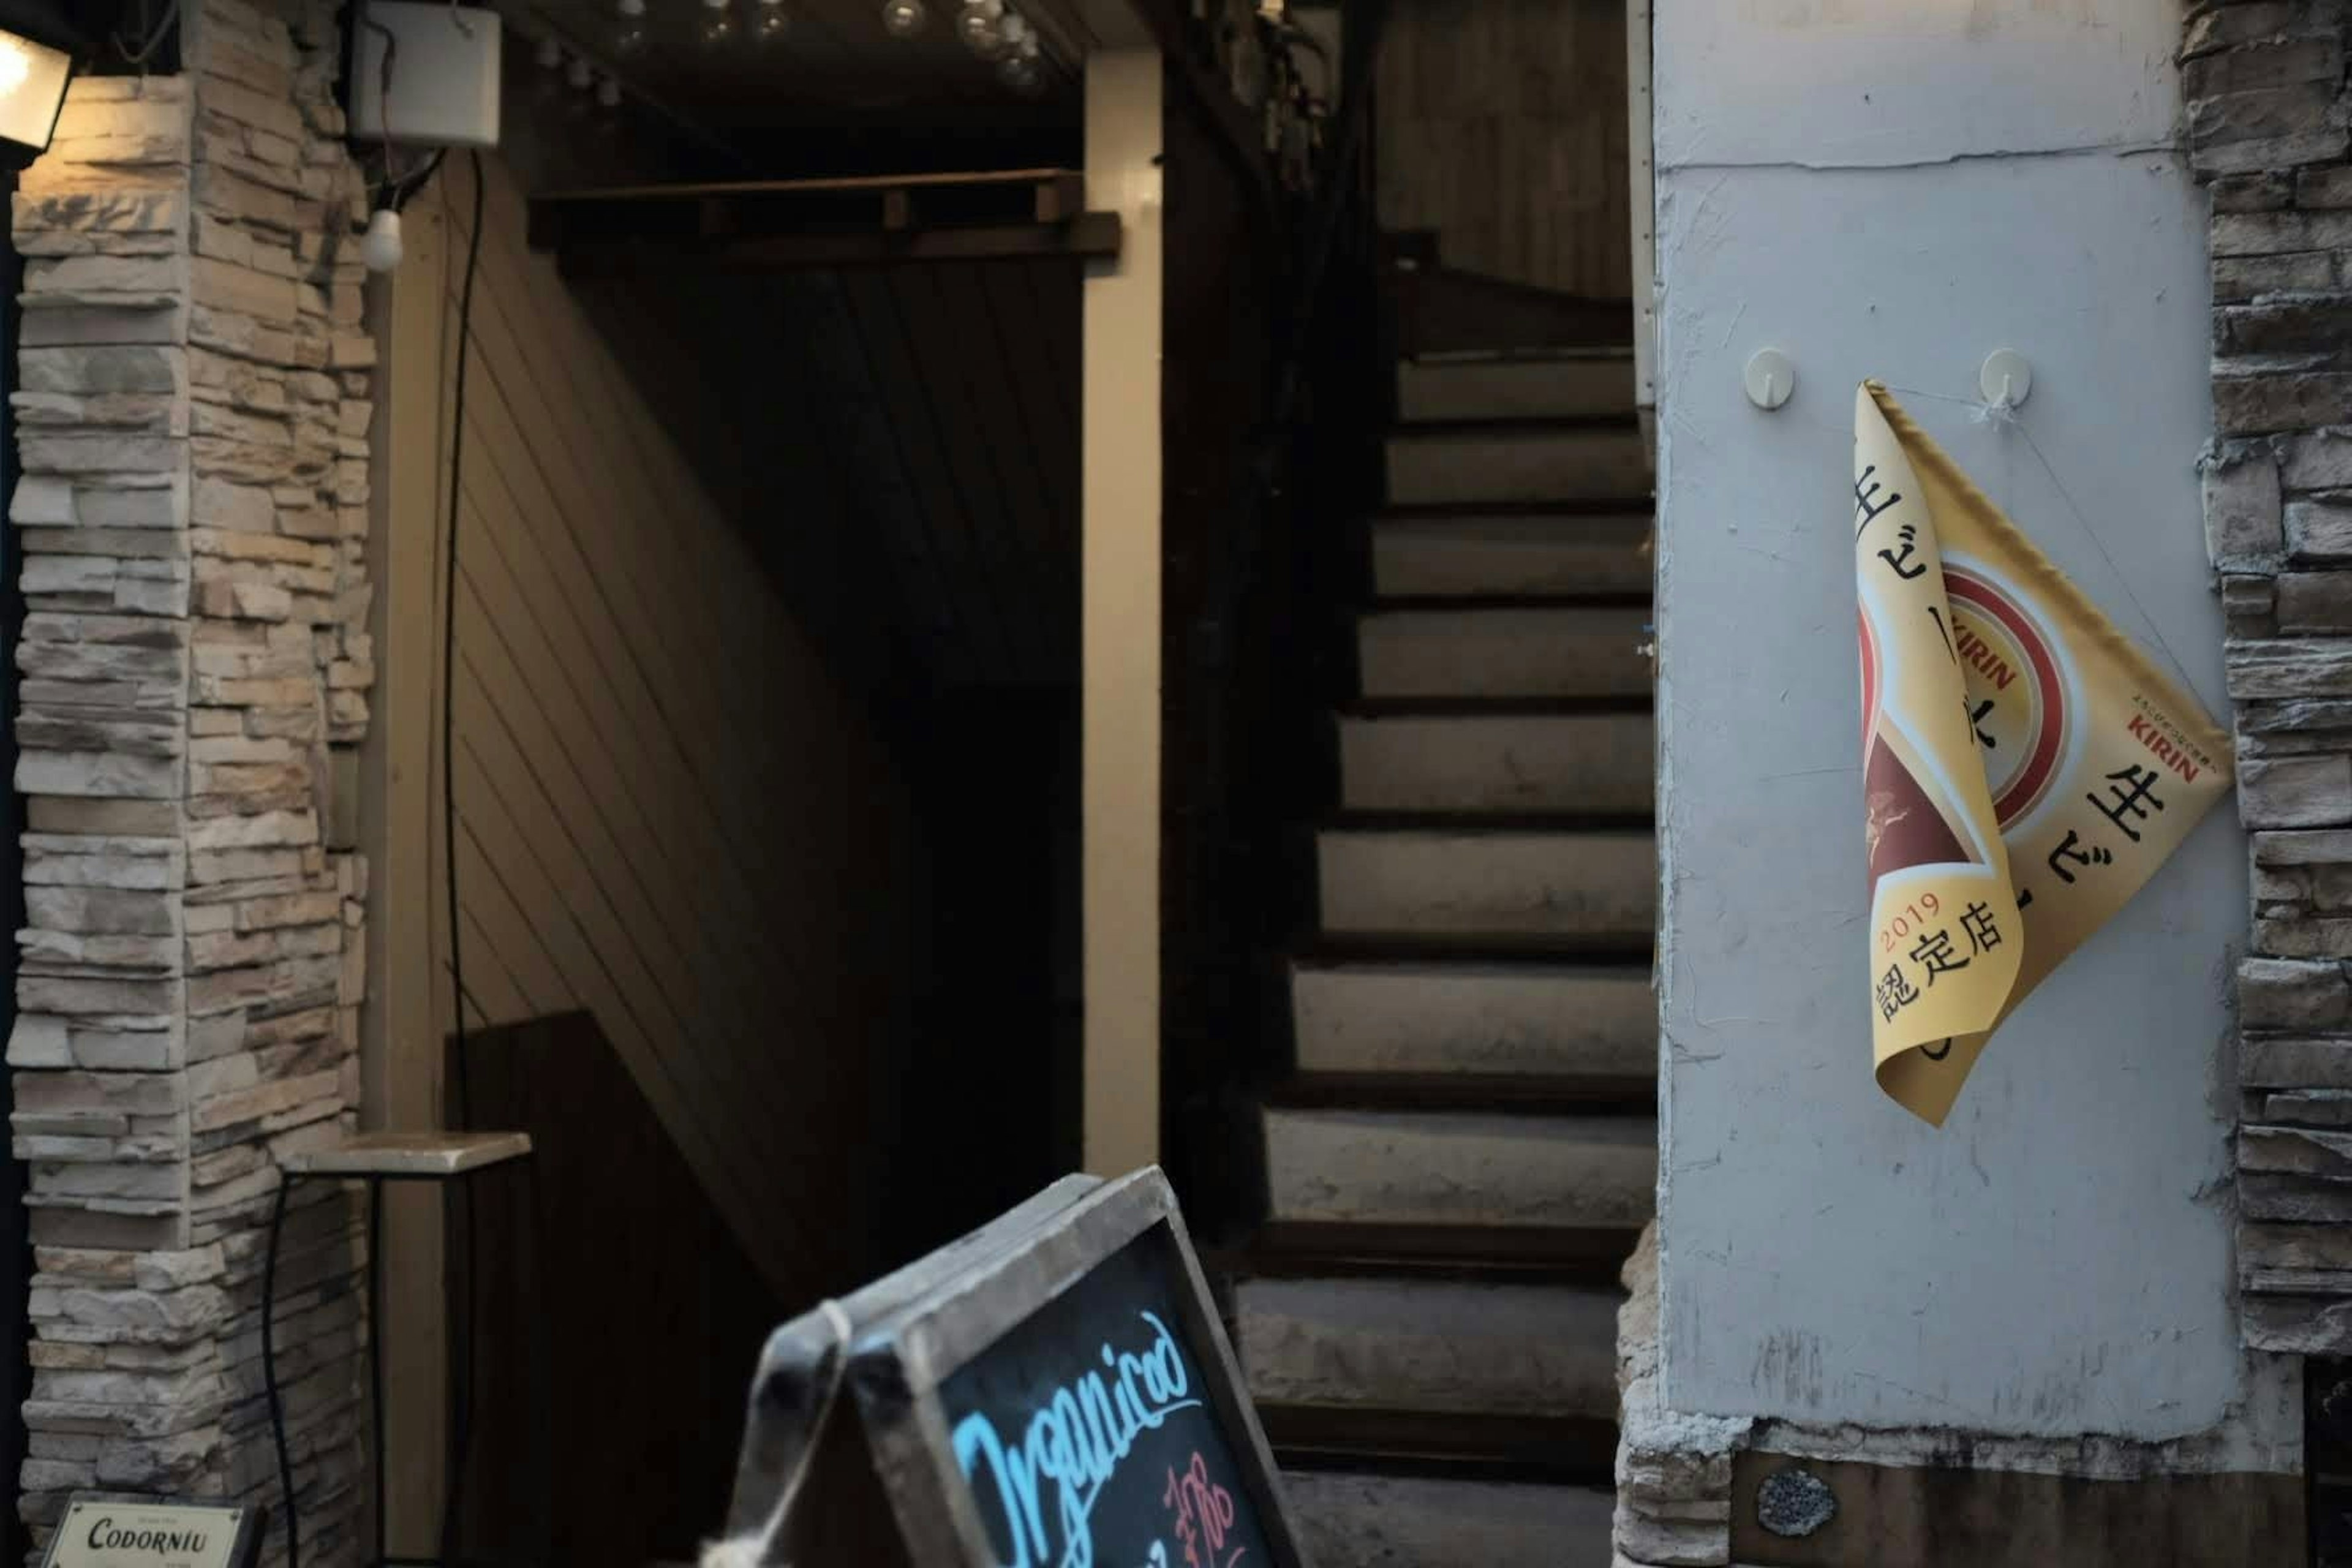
x: 2025, y: 768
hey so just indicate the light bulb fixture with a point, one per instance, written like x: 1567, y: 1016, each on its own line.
x: 629, y: 27
x: 34, y: 68
x: 380, y: 247
x: 608, y: 93
x: 1022, y: 71
x: 717, y: 25
x: 904, y: 18
x: 770, y: 21
x: 979, y: 25
x: 579, y: 74
x: 551, y: 53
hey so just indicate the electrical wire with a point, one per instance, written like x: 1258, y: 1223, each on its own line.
x: 140, y: 53
x: 462, y: 1380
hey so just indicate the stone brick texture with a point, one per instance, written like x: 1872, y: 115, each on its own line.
x: 192, y: 405
x: 2268, y: 117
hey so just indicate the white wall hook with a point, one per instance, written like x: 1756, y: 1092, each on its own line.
x: 2005, y: 379
x: 1770, y: 378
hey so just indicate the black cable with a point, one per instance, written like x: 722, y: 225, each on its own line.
x: 462, y: 1416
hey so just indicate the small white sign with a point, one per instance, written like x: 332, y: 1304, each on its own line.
x: 146, y: 1534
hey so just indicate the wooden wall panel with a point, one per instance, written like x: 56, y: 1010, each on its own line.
x: 1502, y: 126
x: 671, y: 817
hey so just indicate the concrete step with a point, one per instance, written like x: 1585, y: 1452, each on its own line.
x: 1594, y: 764
x: 1531, y: 554
x: 1536, y: 885
x: 1460, y: 1168
x: 1539, y: 651
x: 1494, y: 1020
x: 1351, y: 1521
x: 1437, y: 1346
x: 1454, y: 465
x: 1499, y: 386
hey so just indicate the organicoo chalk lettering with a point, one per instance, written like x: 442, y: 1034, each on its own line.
x: 1048, y: 1482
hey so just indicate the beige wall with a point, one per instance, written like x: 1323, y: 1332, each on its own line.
x: 1120, y: 620
x: 668, y: 815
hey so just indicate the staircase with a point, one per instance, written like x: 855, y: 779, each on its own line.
x: 1466, y: 1148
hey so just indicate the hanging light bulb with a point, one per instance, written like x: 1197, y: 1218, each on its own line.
x: 718, y: 27
x: 1020, y: 67
x: 580, y: 74
x: 979, y: 25
x: 1022, y: 72
x: 551, y: 53
x: 608, y: 92
x: 380, y: 250
x: 904, y: 18
x: 629, y: 27
x: 770, y: 21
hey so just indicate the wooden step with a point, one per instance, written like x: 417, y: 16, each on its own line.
x: 1539, y: 651
x: 1430, y: 1345
x: 1471, y: 1018
x: 1591, y: 764
x: 1353, y: 1520
x: 1571, y: 888
x: 1456, y: 465
x: 1464, y: 387
x: 1461, y: 1168
x: 1535, y: 553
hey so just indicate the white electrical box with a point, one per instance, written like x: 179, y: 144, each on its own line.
x: 424, y: 75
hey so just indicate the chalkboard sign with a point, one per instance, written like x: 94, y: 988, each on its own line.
x: 1053, y: 1391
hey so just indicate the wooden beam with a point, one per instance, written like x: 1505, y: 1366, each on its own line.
x: 761, y: 208
x: 1089, y: 234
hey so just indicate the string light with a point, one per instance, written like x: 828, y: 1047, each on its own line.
x: 979, y: 25
x: 770, y: 21
x: 551, y: 53
x: 718, y: 24
x: 580, y: 74
x: 904, y: 18
x: 629, y: 30
x: 608, y: 92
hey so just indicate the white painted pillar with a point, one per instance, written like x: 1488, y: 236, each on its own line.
x: 1120, y: 618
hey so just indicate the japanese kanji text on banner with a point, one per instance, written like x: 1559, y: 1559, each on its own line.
x: 2025, y: 768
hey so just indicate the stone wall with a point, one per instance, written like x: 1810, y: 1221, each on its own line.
x: 192, y: 403
x: 2267, y: 118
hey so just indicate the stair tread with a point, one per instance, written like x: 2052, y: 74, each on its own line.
x: 1563, y: 1170
x: 1530, y: 426
x: 1503, y: 507
x: 1362, y: 1518
x: 1377, y: 709
x: 1405, y: 827
x: 1601, y: 597
x: 1602, y: 353
x: 1456, y: 650
x: 1573, y: 1449
x: 1429, y: 1345
x: 1626, y: 1131
x: 1585, y: 1255
x: 1434, y: 1089
x: 1328, y: 946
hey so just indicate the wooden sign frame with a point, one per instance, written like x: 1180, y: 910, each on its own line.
x: 914, y: 1331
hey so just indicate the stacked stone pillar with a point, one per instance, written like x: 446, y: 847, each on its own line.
x: 192, y: 399
x: 2267, y: 117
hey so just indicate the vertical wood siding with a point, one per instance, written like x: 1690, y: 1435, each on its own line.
x: 1502, y: 126
x: 669, y: 815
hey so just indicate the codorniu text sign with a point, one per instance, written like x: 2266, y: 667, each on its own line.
x: 1053, y: 1391
x: 104, y: 1531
